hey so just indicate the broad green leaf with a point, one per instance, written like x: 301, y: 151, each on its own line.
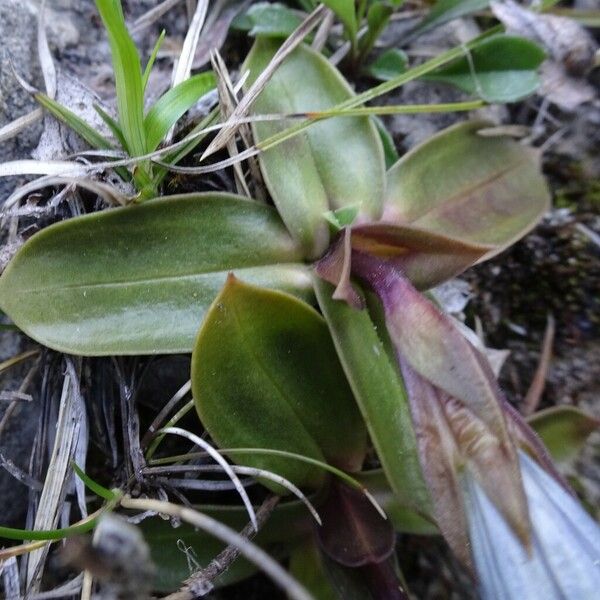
x: 481, y: 190
x: 564, y: 430
x: 265, y: 374
x: 335, y: 163
x: 344, y: 9
x: 447, y: 10
x: 288, y: 524
x: 268, y: 19
x: 389, y: 64
x: 502, y: 68
x: 380, y: 394
x: 137, y: 280
x: 170, y: 107
x: 128, y: 75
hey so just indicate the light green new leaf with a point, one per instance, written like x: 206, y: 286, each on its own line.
x: 137, y: 280
x: 265, y: 374
x: 128, y: 75
x: 481, y: 190
x: 564, y: 430
x: 380, y: 394
x: 170, y: 107
x: 502, y: 68
x: 447, y: 10
x: 335, y: 163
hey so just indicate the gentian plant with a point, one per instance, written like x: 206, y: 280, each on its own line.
x: 312, y: 330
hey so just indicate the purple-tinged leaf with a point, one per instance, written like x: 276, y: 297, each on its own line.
x: 353, y: 533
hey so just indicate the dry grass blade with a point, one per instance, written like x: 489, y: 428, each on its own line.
x: 107, y: 192
x: 250, y: 551
x: 16, y: 359
x: 218, y: 458
x: 10, y: 577
x: 183, y: 65
x: 46, y: 61
x: 228, y: 102
x: 51, y: 499
x: 323, y: 32
x: 10, y: 130
x: 152, y: 16
x: 536, y: 389
x: 6, y: 553
x: 40, y: 167
x: 177, y: 397
x: 256, y: 88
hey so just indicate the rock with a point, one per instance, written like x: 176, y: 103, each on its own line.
x: 18, y: 25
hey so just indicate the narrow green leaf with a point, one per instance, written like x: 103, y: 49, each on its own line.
x: 77, y: 124
x: 380, y: 395
x: 502, y: 68
x: 170, y: 107
x: 152, y: 59
x: 564, y: 430
x: 448, y: 10
x: 98, y: 489
x: 269, y: 19
x: 113, y: 126
x: 480, y: 190
x: 389, y: 64
x: 137, y: 280
x: 389, y: 148
x: 336, y: 163
x: 265, y: 374
x: 128, y: 75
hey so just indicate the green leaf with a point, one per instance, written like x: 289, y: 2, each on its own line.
x: 128, y: 75
x: 152, y: 59
x: 389, y: 148
x: 288, y: 524
x: 265, y: 374
x: 268, y: 19
x: 378, y: 16
x: 389, y: 64
x: 336, y: 163
x: 170, y: 107
x: 480, y: 190
x: 137, y: 280
x: 380, y: 395
x: 564, y: 430
x: 77, y: 124
x: 447, y: 10
x: 501, y: 68
x: 344, y: 9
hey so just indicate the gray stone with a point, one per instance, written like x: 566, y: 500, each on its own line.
x: 19, y: 48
